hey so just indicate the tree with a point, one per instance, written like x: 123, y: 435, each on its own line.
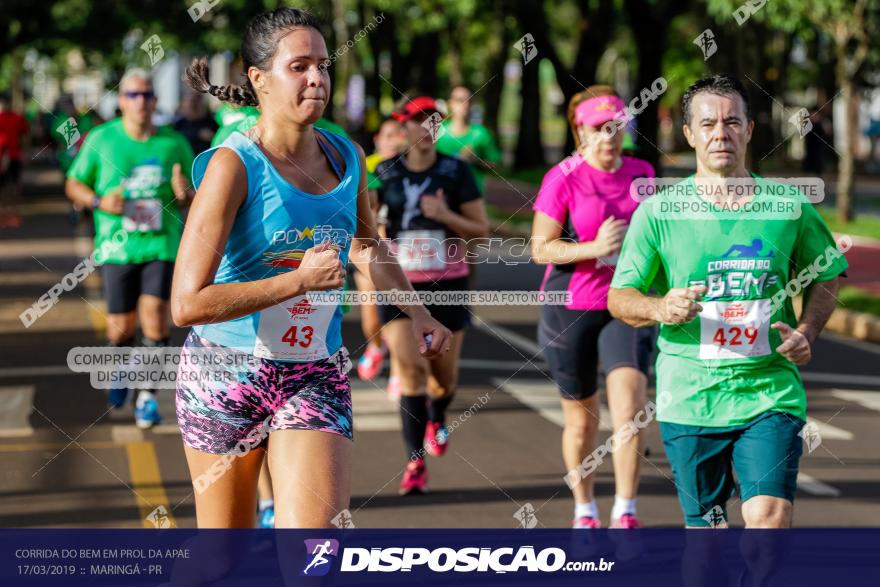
x: 650, y: 22
x: 850, y: 24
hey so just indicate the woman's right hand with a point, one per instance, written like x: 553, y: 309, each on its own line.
x: 610, y: 236
x: 321, y: 268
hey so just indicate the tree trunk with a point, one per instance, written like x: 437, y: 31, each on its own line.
x: 453, y: 55
x: 650, y: 27
x: 650, y: 46
x: 845, y: 165
x: 399, y: 62
x: 493, y: 91
x: 529, y: 148
x: 426, y: 47
x: 850, y: 125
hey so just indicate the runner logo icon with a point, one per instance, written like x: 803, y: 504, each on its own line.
x: 321, y: 553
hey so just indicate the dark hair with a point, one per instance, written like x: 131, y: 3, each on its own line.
x: 721, y: 84
x: 258, y: 48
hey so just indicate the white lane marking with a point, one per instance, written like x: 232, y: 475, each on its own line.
x: 523, y: 343
x: 543, y: 397
x: 18, y: 403
x: 828, y: 431
x: 867, y: 399
x: 813, y: 486
x: 373, y: 411
x: 841, y: 378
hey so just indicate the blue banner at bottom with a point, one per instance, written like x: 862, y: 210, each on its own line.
x: 655, y: 557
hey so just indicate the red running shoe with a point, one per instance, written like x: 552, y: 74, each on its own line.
x: 436, y: 439
x: 415, y: 478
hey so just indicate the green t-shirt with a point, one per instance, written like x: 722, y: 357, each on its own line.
x: 721, y: 369
x: 152, y: 220
x: 84, y: 123
x: 478, y: 139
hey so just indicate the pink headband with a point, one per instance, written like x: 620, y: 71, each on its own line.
x: 598, y: 110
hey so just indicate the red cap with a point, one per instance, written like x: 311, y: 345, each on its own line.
x: 416, y: 106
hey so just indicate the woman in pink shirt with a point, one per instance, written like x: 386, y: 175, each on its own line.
x: 581, y: 215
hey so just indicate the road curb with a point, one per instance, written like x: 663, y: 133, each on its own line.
x: 858, y: 325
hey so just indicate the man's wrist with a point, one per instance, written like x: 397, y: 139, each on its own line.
x: 809, y: 332
x: 654, y: 312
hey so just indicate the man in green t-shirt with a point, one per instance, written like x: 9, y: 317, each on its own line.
x: 136, y: 179
x: 721, y: 250
x: 472, y: 143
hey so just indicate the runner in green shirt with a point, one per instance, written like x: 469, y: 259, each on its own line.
x: 136, y: 179
x: 721, y: 250
x: 469, y: 142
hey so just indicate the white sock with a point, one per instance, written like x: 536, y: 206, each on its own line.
x: 144, y: 395
x: 589, y: 509
x: 623, y: 506
x: 266, y: 503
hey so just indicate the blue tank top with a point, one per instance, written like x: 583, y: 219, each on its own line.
x: 272, y: 230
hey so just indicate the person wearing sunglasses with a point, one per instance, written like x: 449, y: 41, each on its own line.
x: 136, y: 179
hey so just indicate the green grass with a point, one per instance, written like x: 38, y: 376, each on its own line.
x: 521, y: 219
x: 532, y: 176
x: 863, y: 225
x: 858, y: 300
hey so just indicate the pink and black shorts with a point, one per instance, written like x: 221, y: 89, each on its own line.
x: 226, y: 397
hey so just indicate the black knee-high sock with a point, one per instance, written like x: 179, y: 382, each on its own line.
x: 414, y: 416
x: 437, y: 408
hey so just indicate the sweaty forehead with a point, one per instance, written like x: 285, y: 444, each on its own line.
x: 301, y: 42
x: 713, y: 106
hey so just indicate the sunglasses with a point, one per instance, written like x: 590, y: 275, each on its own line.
x: 149, y: 95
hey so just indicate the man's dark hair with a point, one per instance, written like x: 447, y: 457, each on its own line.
x: 720, y: 84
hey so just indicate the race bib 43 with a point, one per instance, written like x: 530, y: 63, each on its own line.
x: 294, y: 330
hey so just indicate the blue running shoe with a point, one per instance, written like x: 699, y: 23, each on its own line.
x: 266, y: 518
x: 146, y: 412
x: 117, y: 397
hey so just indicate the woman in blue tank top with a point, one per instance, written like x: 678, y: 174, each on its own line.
x: 277, y: 212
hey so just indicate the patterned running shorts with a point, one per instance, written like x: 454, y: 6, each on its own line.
x: 226, y: 398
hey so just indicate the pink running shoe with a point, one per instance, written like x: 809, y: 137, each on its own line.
x: 393, y: 388
x: 626, y: 521
x: 415, y: 478
x: 436, y: 439
x: 587, y: 522
x: 371, y: 362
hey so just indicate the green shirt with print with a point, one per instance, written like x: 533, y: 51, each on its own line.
x: 721, y: 368
x: 478, y: 139
x: 152, y: 220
